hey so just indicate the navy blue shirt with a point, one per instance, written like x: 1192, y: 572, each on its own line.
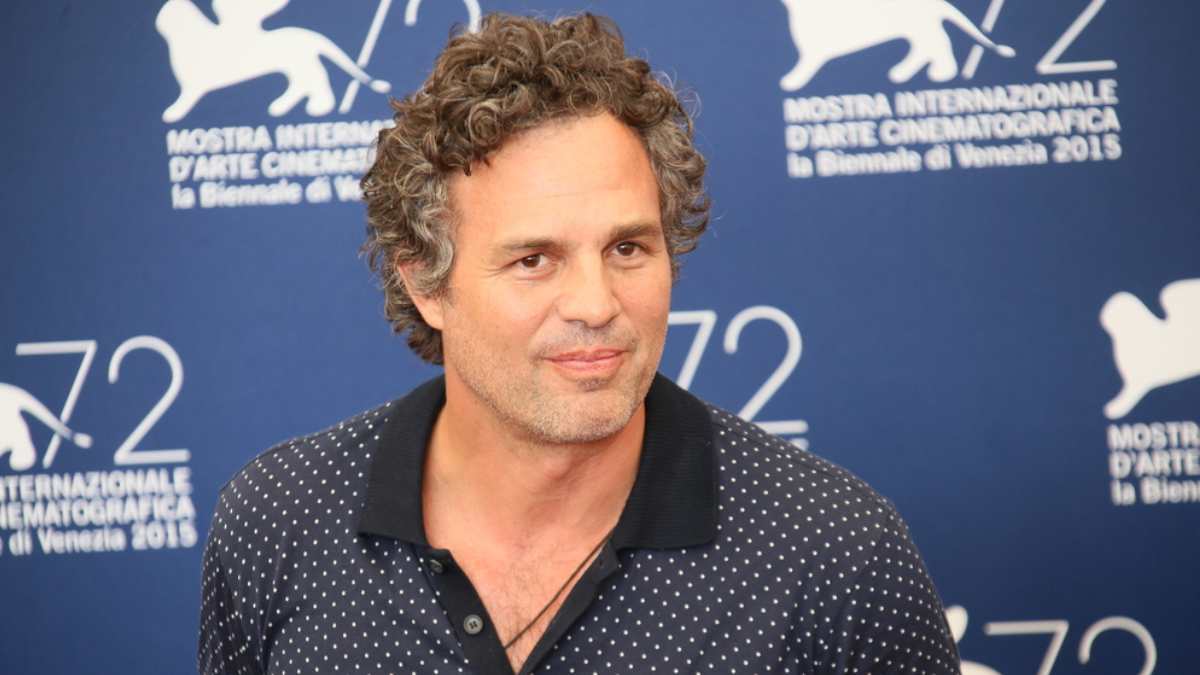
x: 736, y: 552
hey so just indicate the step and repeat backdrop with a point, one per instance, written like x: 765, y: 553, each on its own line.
x: 954, y: 248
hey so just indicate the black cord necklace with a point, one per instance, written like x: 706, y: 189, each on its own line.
x: 562, y: 588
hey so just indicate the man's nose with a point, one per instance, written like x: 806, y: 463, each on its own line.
x: 587, y: 295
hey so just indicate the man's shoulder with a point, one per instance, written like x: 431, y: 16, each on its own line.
x: 343, y: 438
x: 805, y: 523
x: 774, y: 493
x: 747, y: 451
x: 325, y: 469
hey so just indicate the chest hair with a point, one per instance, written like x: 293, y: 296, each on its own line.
x: 514, y: 591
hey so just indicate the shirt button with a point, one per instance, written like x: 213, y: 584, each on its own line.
x: 473, y: 624
x: 436, y: 566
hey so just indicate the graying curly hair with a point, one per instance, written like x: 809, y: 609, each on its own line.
x: 515, y: 74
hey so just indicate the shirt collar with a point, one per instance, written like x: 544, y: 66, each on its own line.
x: 673, y: 502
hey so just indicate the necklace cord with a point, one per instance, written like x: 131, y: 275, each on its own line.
x: 560, y: 590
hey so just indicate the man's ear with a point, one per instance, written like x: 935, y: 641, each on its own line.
x: 429, y: 307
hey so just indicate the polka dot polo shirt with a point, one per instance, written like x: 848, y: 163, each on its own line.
x: 736, y: 553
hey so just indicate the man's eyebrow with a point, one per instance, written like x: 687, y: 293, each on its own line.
x: 636, y: 231
x: 521, y: 245
x: 620, y: 232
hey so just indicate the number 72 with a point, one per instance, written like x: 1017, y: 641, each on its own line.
x: 706, y: 319
x: 125, y: 454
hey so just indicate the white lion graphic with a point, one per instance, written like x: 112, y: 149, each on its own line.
x: 827, y: 29
x: 207, y: 56
x: 1150, y: 352
x: 14, y: 433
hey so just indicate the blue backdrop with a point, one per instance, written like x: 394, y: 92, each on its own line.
x: 933, y: 262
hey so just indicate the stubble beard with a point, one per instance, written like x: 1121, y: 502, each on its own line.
x: 585, y: 415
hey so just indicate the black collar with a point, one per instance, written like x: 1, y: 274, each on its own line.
x: 674, y: 498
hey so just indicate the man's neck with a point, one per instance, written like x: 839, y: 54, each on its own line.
x: 512, y: 490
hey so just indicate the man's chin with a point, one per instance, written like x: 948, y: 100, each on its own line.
x: 588, y: 416
x: 584, y: 431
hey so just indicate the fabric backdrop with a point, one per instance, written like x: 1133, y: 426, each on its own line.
x: 967, y: 273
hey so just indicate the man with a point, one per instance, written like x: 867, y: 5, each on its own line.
x: 551, y: 504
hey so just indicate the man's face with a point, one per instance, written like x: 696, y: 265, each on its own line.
x: 557, y: 309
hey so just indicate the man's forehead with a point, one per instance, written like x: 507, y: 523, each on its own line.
x: 591, y: 173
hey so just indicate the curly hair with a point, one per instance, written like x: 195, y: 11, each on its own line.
x: 515, y: 74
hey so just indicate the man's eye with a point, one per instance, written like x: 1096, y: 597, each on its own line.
x: 531, y: 262
x: 627, y: 249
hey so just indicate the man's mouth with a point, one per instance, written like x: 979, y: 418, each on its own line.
x: 586, y: 355
x: 590, y: 362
